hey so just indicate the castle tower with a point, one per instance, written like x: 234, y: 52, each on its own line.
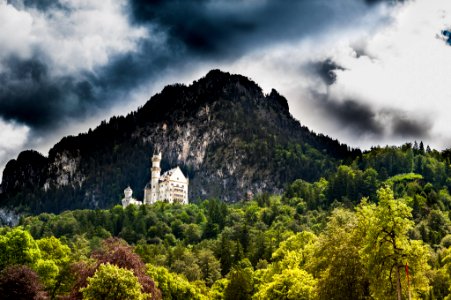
x: 128, y: 199
x: 155, y: 178
x: 128, y: 192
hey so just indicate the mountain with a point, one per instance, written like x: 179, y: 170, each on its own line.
x: 230, y: 138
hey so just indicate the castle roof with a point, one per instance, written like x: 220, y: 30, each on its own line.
x: 175, y: 174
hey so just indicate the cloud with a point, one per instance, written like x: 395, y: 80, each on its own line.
x: 72, y: 36
x: 74, y: 59
x: 403, y: 72
x: 12, y: 137
x: 70, y: 61
x: 390, y: 69
x: 364, y: 120
x: 406, y: 128
x: 53, y: 66
x: 326, y: 70
x: 352, y: 115
x: 225, y: 29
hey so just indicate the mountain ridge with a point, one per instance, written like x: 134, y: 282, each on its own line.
x: 227, y: 136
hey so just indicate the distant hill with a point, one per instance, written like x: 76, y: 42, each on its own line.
x: 226, y: 135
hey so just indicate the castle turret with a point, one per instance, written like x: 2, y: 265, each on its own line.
x: 128, y: 192
x: 151, y: 191
x: 128, y: 199
x: 155, y: 178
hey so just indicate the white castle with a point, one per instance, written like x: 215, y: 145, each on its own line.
x: 172, y: 186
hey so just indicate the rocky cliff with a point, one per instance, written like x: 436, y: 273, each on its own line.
x: 227, y: 136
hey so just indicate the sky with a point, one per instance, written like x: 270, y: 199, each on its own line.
x: 366, y: 72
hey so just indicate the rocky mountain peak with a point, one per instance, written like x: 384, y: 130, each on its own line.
x: 229, y: 138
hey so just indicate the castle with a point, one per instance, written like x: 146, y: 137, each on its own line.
x: 128, y: 199
x: 172, y: 186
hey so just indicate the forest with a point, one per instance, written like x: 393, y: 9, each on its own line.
x: 374, y: 228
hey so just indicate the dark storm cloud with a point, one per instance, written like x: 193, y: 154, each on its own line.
x: 41, y: 4
x: 362, y: 119
x: 227, y: 28
x: 187, y: 31
x: 408, y: 128
x: 31, y: 96
x: 326, y: 70
x: 358, y: 117
x: 373, y: 1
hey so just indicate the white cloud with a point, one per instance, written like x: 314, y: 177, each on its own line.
x: 12, y: 135
x: 393, y: 62
x: 409, y: 71
x: 288, y: 68
x: 13, y: 138
x: 15, y: 30
x: 79, y: 36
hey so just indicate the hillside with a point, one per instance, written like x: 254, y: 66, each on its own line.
x: 227, y: 136
x: 360, y: 227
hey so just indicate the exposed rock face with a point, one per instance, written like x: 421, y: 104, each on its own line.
x: 228, y: 137
x: 65, y: 167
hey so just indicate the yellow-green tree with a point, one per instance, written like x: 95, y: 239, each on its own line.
x: 290, y: 284
x: 217, y: 290
x: 113, y: 283
x: 445, y: 272
x: 173, y: 286
x: 387, y: 248
x: 53, y: 266
x: 336, y: 261
x: 285, y: 277
x: 17, y: 247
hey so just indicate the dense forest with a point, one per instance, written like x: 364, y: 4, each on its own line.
x: 375, y: 228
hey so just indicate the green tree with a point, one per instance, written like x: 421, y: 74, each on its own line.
x: 186, y: 264
x: 53, y: 267
x: 118, y: 253
x: 216, y: 215
x: 17, y: 247
x: 192, y: 233
x: 342, y: 185
x: 387, y: 248
x: 223, y: 251
x: 217, y: 289
x: 241, y: 282
x: 446, y: 271
x: 209, y: 265
x: 336, y: 259
x: 173, y: 286
x: 290, y: 284
x: 300, y: 244
x: 113, y: 283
